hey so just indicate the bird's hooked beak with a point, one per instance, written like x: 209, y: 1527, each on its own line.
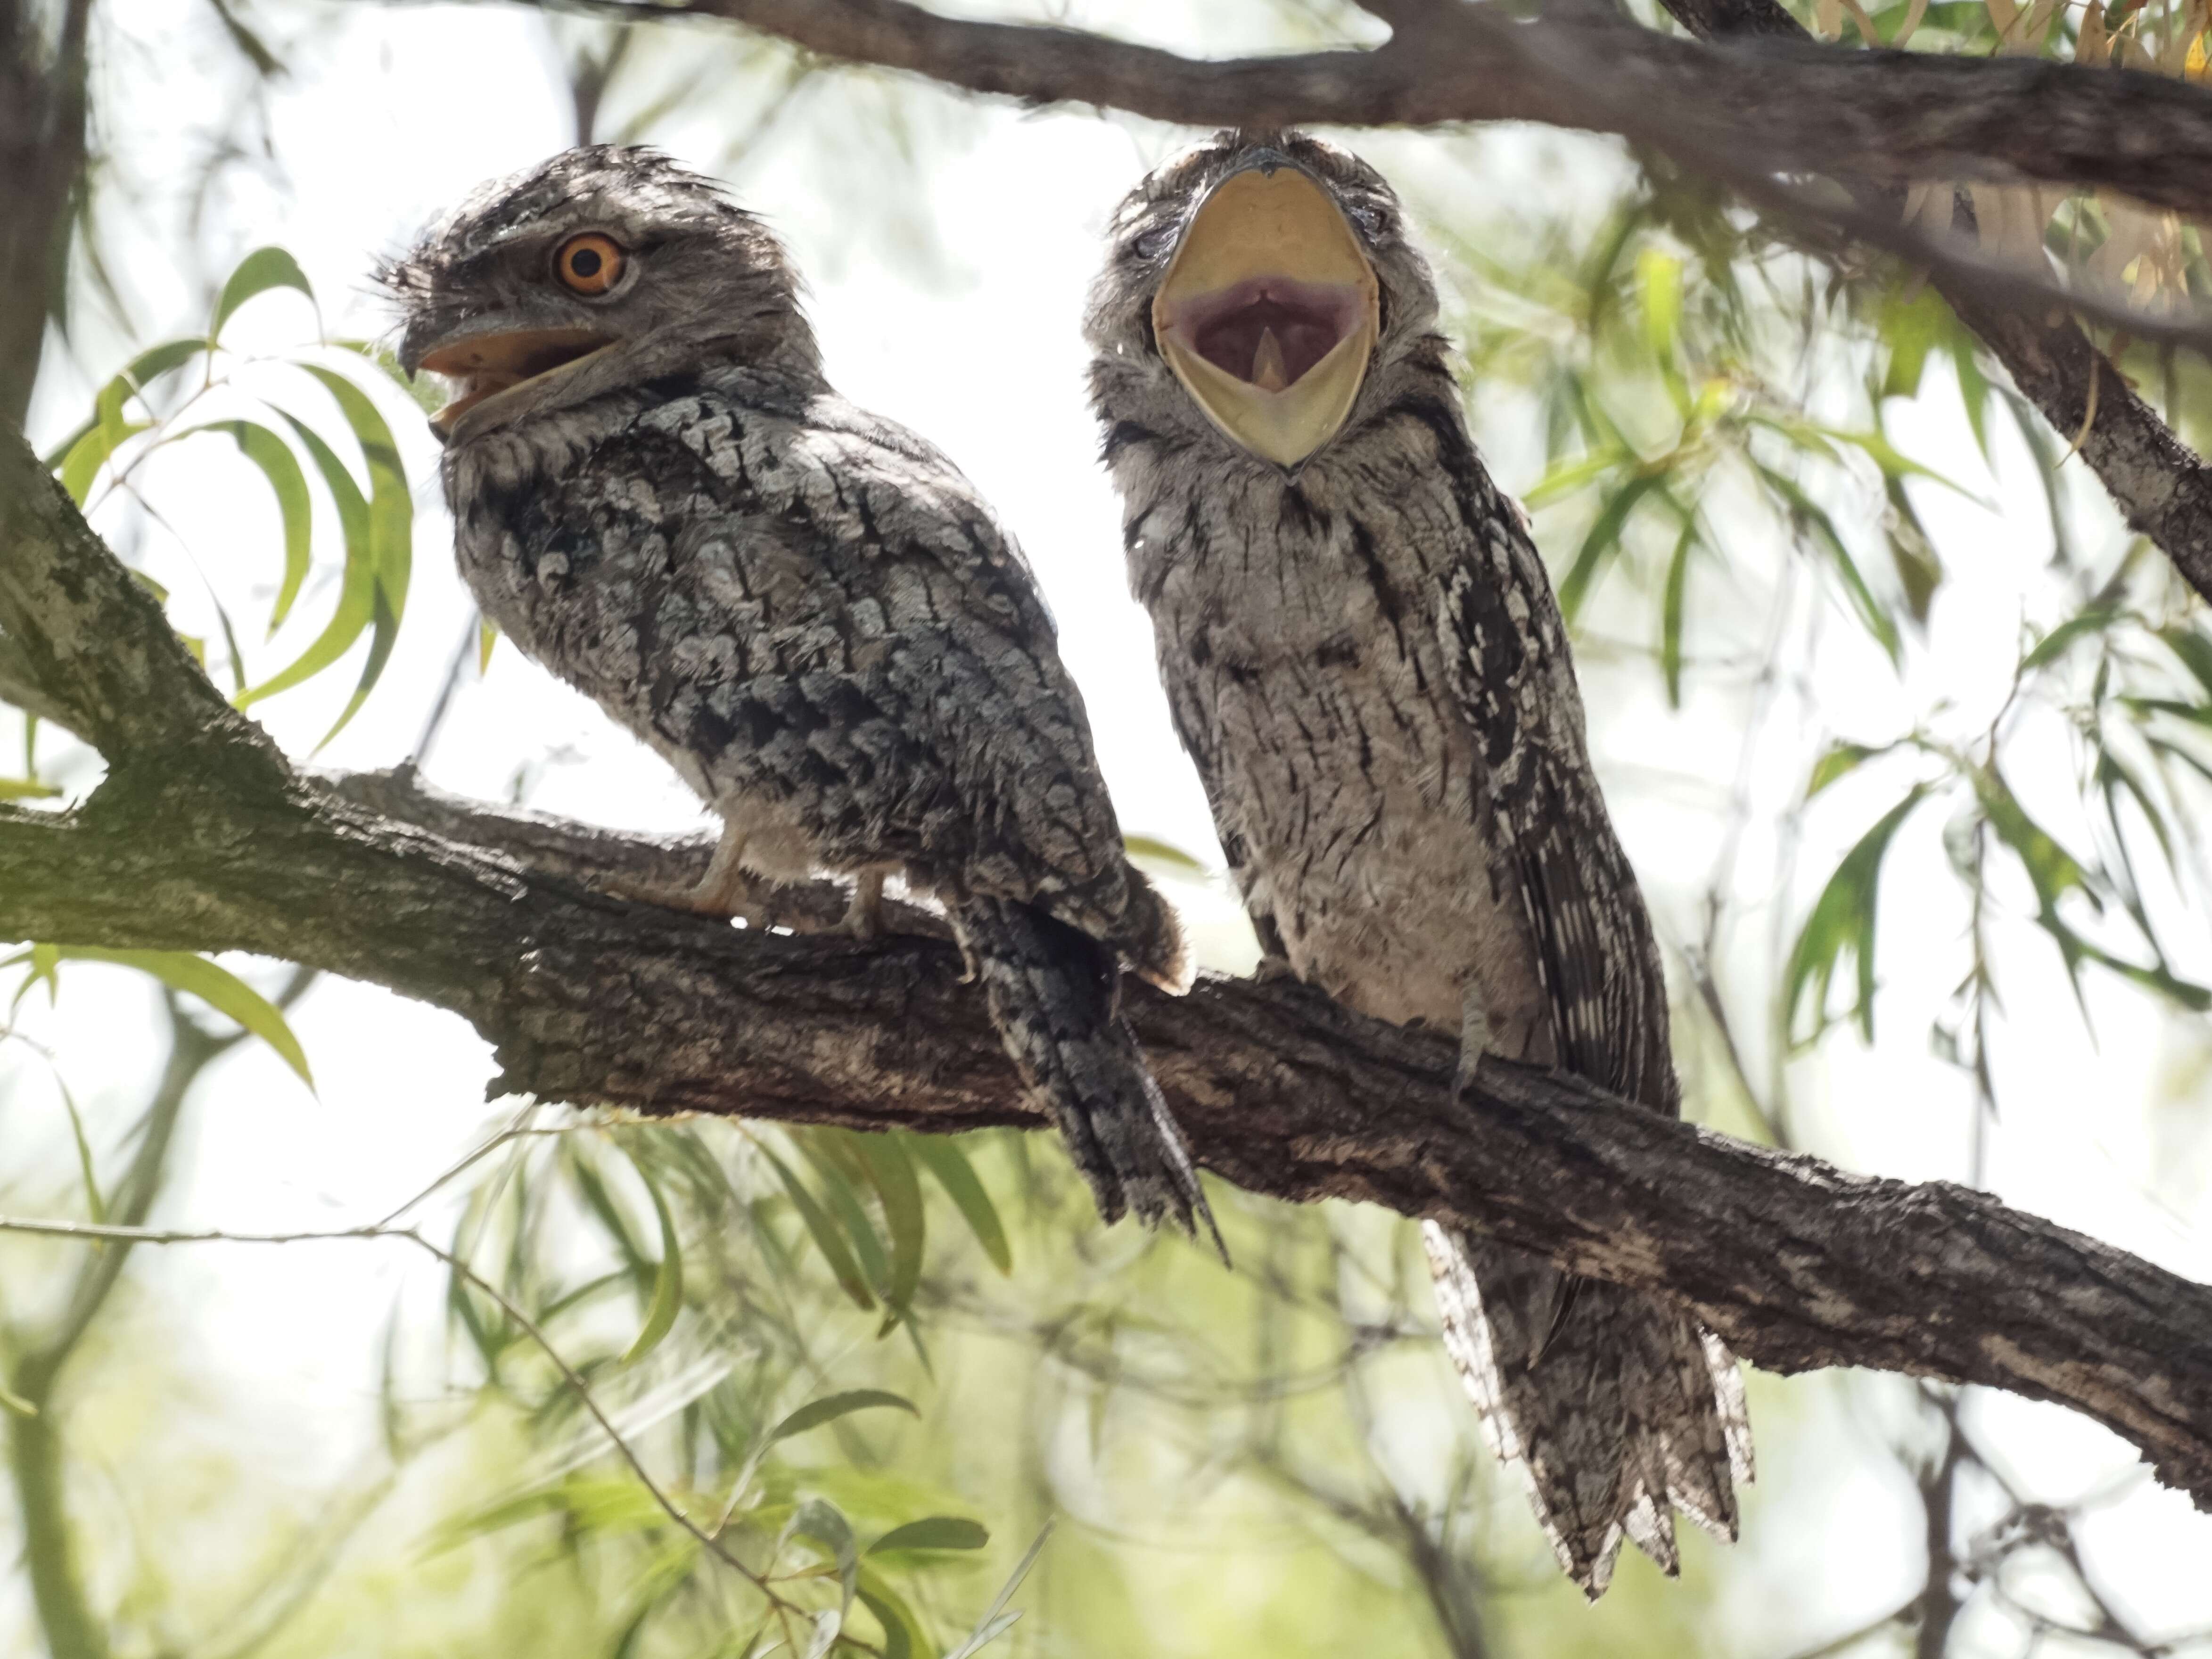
x: 482, y: 362
x: 1270, y: 310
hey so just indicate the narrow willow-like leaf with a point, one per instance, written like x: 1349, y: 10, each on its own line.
x: 273, y: 457
x: 816, y: 1412
x: 827, y: 1238
x: 94, y: 1203
x: 1603, y: 540
x: 900, y: 1627
x: 891, y: 1172
x: 2053, y: 645
x: 1671, y: 608
x: 357, y: 588
x: 824, y: 1521
x: 215, y: 986
x: 943, y: 1157
x: 1840, y: 760
x: 1162, y: 852
x: 827, y: 1623
x: 1809, y: 513
x: 91, y: 451
x: 831, y: 1152
x: 996, y: 1619
x: 1565, y: 478
x: 667, y: 1279
x: 1659, y: 287
x: 1842, y: 922
x: 27, y: 789
x: 933, y: 1532
x: 2194, y: 652
x: 390, y: 530
x: 257, y: 272
x: 46, y: 962
x: 425, y: 392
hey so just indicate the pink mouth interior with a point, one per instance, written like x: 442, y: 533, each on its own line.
x: 1229, y: 328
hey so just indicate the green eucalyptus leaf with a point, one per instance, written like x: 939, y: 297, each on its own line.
x: 1155, y: 850
x: 81, y: 466
x: 827, y: 1238
x: 215, y: 986
x: 1603, y: 540
x: 390, y: 530
x: 358, y: 586
x: 1565, y: 478
x: 667, y: 1278
x: 824, y: 1523
x: 890, y: 1172
x: 942, y: 1157
x: 1842, y: 923
x: 901, y: 1628
x: 933, y: 1532
x: 1671, y: 608
x: 836, y: 1160
x: 257, y: 272
x: 1840, y: 760
x: 273, y: 457
x: 95, y: 1205
x: 816, y: 1412
x: 1809, y: 514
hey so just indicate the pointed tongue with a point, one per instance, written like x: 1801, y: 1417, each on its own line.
x: 1268, y: 372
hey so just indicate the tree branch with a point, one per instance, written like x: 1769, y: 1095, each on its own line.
x: 587, y: 997
x: 1890, y: 116
x: 2161, y: 486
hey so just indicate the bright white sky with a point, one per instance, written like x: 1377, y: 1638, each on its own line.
x: 949, y: 296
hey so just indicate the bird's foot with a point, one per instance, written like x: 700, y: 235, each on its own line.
x: 725, y: 890
x: 865, y: 919
x: 1272, y: 969
x: 1474, y: 1037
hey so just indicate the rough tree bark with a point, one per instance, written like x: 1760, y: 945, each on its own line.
x: 1890, y: 116
x: 203, y: 836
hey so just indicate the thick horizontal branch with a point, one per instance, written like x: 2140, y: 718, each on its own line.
x: 202, y: 837
x: 1796, y: 107
x: 589, y: 999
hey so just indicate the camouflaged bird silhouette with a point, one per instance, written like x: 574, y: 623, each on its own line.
x: 1363, y: 654
x: 806, y: 610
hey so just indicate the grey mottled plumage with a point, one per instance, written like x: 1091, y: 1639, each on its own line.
x: 1364, y: 656
x: 807, y: 610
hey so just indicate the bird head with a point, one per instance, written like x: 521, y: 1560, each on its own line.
x: 1255, y: 287
x: 599, y: 268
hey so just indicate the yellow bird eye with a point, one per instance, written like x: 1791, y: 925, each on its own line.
x: 590, y: 264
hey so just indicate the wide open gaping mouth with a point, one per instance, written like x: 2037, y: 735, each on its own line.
x: 1269, y: 312
x: 1269, y: 330
x: 485, y: 365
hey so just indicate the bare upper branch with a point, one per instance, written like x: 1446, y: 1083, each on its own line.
x: 1792, y: 105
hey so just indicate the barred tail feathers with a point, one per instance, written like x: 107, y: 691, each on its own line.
x: 1052, y: 992
x: 1625, y: 1413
